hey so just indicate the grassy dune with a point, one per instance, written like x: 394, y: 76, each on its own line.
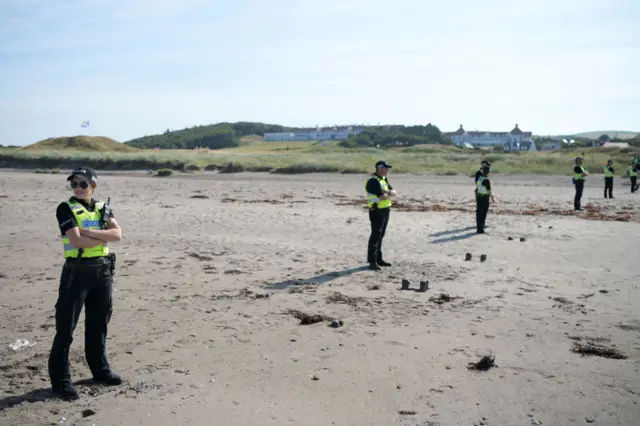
x: 306, y: 157
x: 79, y: 143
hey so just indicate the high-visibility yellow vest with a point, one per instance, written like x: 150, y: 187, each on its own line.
x: 373, y: 198
x: 482, y: 190
x: 632, y: 171
x: 607, y: 171
x: 578, y: 176
x: 85, y: 220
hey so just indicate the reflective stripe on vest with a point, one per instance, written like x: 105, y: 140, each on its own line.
x: 607, y: 171
x: 482, y: 190
x: 373, y: 198
x: 632, y: 171
x: 85, y: 220
x: 578, y: 176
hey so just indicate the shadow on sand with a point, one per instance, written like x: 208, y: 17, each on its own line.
x: 452, y: 231
x: 36, y: 395
x: 454, y: 238
x: 318, y: 279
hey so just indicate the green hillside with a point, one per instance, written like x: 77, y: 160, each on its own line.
x: 213, y: 136
x: 79, y: 143
x: 617, y: 134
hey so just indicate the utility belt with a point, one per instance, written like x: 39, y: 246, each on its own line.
x: 92, y: 262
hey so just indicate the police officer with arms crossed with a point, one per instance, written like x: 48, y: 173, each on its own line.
x: 379, y: 192
x: 87, y: 226
x: 579, y: 175
x: 483, y: 194
x: 484, y: 164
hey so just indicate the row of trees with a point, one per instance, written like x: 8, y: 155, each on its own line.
x: 215, y: 136
x: 396, y: 135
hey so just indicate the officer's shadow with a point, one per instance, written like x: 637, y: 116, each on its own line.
x: 317, y: 279
x: 451, y: 238
x: 36, y: 395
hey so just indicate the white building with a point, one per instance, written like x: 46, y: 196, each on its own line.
x: 515, y: 140
x: 315, y: 134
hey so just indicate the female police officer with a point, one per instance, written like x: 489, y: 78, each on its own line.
x: 87, y: 227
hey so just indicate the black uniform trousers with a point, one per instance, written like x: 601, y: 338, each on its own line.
x: 379, y: 219
x: 579, y: 188
x: 608, y: 187
x: 634, y: 186
x: 482, y: 209
x: 88, y: 282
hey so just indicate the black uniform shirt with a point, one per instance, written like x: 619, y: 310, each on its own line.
x: 578, y: 169
x: 478, y: 174
x: 374, y: 187
x: 66, y: 219
x: 610, y: 169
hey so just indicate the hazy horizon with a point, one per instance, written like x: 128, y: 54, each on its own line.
x: 139, y: 67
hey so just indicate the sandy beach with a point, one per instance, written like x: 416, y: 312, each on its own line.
x: 216, y: 270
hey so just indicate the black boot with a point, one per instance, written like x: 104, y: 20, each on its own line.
x: 66, y: 392
x: 383, y: 263
x: 109, y: 379
x: 374, y: 266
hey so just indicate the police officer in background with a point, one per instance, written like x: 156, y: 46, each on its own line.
x: 483, y: 194
x: 579, y: 175
x: 87, y: 226
x: 484, y: 164
x: 379, y: 192
x: 608, y: 179
x: 632, y: 170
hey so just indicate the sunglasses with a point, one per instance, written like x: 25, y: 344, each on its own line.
x: 74, y: 184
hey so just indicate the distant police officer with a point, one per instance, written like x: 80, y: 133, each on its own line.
x: 87, y: 275
x: 579, y: 175
x: 608, y: 179
x: 632, y: 170
x: 483, y: 194
x: 484, y: 164
x: 379, y: 192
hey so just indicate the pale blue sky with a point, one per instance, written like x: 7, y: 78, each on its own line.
x: 136, y: 67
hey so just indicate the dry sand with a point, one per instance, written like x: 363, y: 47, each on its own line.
x: 203, y: 334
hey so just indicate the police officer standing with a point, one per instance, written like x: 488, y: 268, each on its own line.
x: 379, y: 192
x: 87, y: 226
x: 483, y: 194
x: 632, y: 170
x: 484, y: 164
x: 608, y: 179
x: 579, y: 175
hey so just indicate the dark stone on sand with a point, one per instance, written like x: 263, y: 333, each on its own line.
x: 88, y: 412
x: 468, y: 257
x: 405, y: 284
x: 337, y: 323
x: 483, y: 257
